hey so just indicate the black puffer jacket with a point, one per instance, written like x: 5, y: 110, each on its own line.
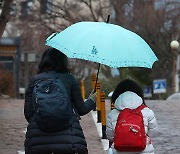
x: 68, y: 141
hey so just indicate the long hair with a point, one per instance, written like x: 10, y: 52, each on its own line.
x: 53, y: 60
x: 127, y: 85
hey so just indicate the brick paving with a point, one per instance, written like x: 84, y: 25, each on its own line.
x: 167, y: 141
x: 12, y: 125
x: 91, y: 134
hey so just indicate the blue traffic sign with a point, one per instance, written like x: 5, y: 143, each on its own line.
x: 147, y: 91
x: 159, y: 86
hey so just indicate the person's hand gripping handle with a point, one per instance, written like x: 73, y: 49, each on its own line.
x: 93, y: 96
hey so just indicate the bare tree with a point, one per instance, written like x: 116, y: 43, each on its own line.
x: 36, y: 20
x: 5, y: 14
x: 155, y: 21
x: 45, y: 17
x: 159, y: 28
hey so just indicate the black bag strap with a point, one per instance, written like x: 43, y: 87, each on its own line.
x: 47, y: 76
x: 73, y: 106
x: 57, y: 76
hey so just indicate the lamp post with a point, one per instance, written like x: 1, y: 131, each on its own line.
x: 174, y: 45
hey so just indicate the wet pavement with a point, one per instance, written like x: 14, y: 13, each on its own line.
x: 167, y: 141
x: 13, y: 124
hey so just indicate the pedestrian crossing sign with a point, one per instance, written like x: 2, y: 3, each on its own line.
x: 159, y: 86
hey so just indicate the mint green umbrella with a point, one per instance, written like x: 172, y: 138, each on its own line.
x: 104, y: 43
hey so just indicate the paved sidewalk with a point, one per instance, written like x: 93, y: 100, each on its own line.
x: 91, y: 134
x: 12, y: 125
x: 167, y: 141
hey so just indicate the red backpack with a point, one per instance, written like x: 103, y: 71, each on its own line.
x: 130, y: 134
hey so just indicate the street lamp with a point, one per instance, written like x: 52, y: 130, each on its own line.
x: 174, y: 45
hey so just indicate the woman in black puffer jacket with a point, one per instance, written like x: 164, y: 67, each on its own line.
x: 70, y: 140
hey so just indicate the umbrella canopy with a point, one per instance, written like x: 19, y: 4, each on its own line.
x: 104, y: 43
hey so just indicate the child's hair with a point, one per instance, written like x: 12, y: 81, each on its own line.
x: 127, y: 85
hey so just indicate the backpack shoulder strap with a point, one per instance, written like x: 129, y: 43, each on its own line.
x: 142, y: 106
x: 45, y: 75
x: 56, y: 76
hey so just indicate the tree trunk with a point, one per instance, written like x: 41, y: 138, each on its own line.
x: 5, y: 15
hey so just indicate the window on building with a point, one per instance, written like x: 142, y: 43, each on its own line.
x: 46, y: 6
x: 14, y: 9
x: 26, y: 8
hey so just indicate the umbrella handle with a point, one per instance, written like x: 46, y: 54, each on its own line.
x: 107, y: 21
x: 99, y: 63
x: 97, y: 75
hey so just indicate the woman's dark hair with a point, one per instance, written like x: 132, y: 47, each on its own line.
x: 127, y: 85
x: 53, y: 59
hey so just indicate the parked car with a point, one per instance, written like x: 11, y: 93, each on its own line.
x: 174, y: 97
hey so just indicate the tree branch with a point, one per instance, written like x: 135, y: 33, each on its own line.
x: 5, y: 15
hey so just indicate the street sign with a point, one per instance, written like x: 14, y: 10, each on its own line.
x: 147, y: 92
x: 159, y: 86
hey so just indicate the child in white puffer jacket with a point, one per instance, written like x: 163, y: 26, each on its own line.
x: 130, y: 95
